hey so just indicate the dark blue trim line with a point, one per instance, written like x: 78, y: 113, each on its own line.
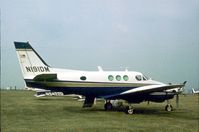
x: 26, y: 45
x: 97, y: 91
x: 30, y: 80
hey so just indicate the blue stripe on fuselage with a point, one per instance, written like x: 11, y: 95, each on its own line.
x: 94, y: 91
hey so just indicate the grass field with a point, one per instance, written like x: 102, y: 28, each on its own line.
x: 22, y: 112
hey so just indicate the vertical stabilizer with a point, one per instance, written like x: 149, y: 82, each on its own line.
x: 30, y: 62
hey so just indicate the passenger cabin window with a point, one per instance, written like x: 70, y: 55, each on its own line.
x: 126, y: 78
x: 83, y: 78
x: 138, y: 77
x: 110, y: 77
x: 118, y: 77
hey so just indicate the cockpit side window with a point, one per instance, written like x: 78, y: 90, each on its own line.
x: 138, y: 77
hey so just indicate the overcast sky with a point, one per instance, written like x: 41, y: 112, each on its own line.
x: 159, y: 38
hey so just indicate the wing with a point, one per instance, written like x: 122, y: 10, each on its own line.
x: 144, y: 90
x: 151, y: 88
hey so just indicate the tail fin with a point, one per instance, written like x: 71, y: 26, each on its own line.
x: 30, y: 62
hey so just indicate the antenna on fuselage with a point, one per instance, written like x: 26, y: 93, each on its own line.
x: 99, y: 68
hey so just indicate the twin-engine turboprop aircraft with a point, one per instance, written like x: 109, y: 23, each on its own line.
x: 134, y: 87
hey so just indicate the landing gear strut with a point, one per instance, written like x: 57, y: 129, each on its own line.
x: 108, y: 105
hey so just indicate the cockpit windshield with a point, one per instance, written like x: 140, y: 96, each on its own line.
x: 141, y: 78
x: 145, y: 77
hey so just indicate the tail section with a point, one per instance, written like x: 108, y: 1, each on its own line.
x: 30, y: 62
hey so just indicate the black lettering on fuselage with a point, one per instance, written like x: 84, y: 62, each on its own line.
x: 28, y: 69
x: 37, y: 69
x: 46, y: 69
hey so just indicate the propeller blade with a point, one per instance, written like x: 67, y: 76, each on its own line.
x: 177, y: 100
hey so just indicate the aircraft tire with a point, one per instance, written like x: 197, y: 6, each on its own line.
x: 108, y: 106
x: 168, y: 107
x: 129, y: 110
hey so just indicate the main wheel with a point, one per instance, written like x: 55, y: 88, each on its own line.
x: 168, y: 107
x: 108, y: 106
x: 129, y: 110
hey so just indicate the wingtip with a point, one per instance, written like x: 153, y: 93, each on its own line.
x: 184, y: 82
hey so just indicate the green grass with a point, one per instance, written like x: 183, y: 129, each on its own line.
x: 22, y: 112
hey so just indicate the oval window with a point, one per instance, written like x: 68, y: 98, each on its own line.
x: 118, y: 77
x: 110, y: 78
x: 126, y: 78
x: 83, y: 78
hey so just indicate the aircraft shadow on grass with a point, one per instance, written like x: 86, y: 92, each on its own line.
x: 179, y: 114
x: 92, y: 110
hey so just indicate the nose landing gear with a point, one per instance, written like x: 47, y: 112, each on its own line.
x: 169, y: 107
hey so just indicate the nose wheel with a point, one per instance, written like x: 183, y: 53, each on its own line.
x: 168, y: 107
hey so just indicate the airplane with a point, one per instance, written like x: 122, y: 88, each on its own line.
x: 43, y: 93
x: 195, y: 92
x: 131, y: 86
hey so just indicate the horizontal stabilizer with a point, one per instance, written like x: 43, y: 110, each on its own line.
x: 45, y: 77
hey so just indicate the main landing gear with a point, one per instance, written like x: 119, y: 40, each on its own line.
x: 116, y: 105
x: 108, y: 105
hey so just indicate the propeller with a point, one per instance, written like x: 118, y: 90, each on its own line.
x: 177, y: 100
x: 180, y: 91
